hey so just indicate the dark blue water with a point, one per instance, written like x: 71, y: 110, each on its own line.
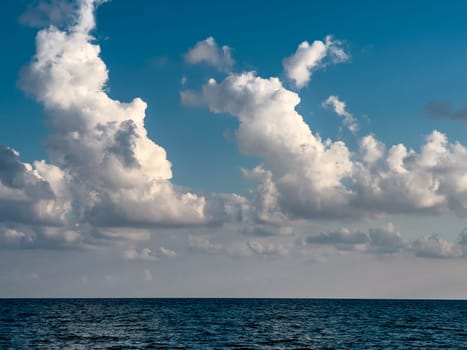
x: 232, y: 324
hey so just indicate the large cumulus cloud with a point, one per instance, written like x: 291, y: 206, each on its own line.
x: 103, y: 170
x: 304, y: 176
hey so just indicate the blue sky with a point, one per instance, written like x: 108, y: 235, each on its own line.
x: 235, y: 190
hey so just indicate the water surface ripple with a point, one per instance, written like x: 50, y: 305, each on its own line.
x: 232, y: 324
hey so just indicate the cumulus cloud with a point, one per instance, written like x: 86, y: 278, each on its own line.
x: 25, y: 194
x: 304, y: 172
x: 340, y: 109
x: 105, y: 180
x: 385, y: 239
x: 435, y: 247
x: 207, y: 51
x: 104, y: 171
x: 304, y: 176
x: 310, y: 57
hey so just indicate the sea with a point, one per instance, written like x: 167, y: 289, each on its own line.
x: 232, y: 324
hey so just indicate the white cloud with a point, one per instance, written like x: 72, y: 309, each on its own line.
x: 303, y: 176
x: 304, y: 173
x: 308, y: 58
x: 340, y: 109
x: 207, y: 51
x: 167, y: 252
x: 104, y: 169
x: 145, y: 254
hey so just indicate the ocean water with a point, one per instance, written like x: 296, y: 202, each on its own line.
x: 232, y: 324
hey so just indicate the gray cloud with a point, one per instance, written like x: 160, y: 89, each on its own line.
x: 380, y: 240
x: 445, y: 109
x: 385, y: 239
x: 342, y: 236
x: 435, y: 247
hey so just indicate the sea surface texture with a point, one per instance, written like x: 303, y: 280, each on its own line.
x: 232, y: 324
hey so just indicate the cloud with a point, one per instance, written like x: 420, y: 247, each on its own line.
x: 304, y: 173
x: 25, y: 194
x: 380, y: 240
x: 104, y: 171
x: 340, y: 237
x: 144, y: 254
x: 309, y: 58
x: 105, y: 180
x: 42, y: 13
x: 385, y: 239
x: 444, y: 109
x: 304, y: 176
x: 267, y: 248
x: 167, y: 252
x: 435, y: 247
x: 18, y: 235
x: 340, y: 109
x: 203, y: 244
x: 207, y: 51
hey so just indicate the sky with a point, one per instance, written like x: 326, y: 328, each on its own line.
x: 233, y: 149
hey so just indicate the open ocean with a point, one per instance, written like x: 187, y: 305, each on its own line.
x: 232, y: 324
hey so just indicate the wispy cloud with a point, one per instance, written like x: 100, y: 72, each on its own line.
x: 41, y: 13
x: 340, y: 107
x: 445, y: 109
